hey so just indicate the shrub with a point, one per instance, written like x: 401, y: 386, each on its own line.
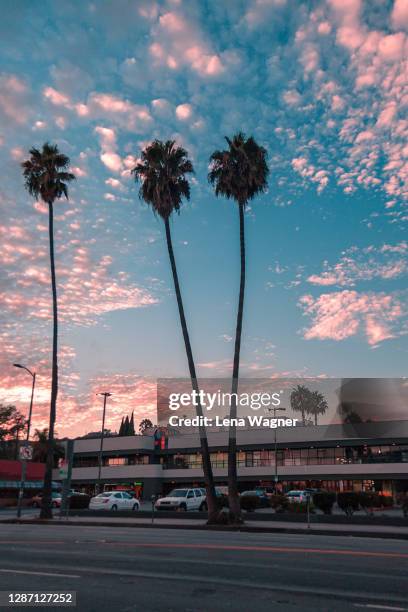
x: 78, y: 501
x: 324, y: 500
x: 279, y: 502
x: 300, y: 508
x: 348, y: 501
x: 250, y: 502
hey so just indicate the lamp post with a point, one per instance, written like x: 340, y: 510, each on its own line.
x: 105, y: 396
x: 24, y: 461
x: 274, y: 409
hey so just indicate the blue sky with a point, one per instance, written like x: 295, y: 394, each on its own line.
x: 323, y: 88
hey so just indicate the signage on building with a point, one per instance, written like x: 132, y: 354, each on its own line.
x: 25, y: 452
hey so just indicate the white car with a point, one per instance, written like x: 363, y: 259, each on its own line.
x: 183, y: 500
x: 114, y: 500
x: 297, y: 497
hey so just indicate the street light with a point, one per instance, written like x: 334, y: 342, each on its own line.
x: 274, y: 409
x: 105, y: 396
x: 24, y: 461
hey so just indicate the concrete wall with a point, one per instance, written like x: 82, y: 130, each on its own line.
x: 138, y: 443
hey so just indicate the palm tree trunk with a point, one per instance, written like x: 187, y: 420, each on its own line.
x: 207, y: 468
x: 46, y: 511
x: 315, y: 416
x: 234, y: 503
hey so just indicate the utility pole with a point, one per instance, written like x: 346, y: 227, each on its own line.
x: 24, y: 459
x: 105, y: 396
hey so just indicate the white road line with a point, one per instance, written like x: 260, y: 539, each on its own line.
x: 15, y: 571
x: 380, y: 607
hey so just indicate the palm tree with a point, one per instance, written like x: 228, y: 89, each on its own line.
x: 318, y: 405
x: 163, y: 171
x: 46, y: 176
x: 239, y: 173
x: 41, y: 446
x: 300, y: 401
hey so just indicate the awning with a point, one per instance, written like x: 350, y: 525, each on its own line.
x: 28, y: 484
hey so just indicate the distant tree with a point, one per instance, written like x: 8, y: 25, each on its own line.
x: 12, y: 425
x: 126, y: 427
x: 132, y: 425
x: 122, y: 426
x: 46, y: 177
x: 300, y: 401
x: 41, y: 447
x: 318, y: 405
x: 144, y: 425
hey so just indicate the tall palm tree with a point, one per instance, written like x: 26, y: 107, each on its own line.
x: 318, y: 405
x: 163, y: 171
x: 300, y: 401
x: 240, y: 173
x: 46, y: 176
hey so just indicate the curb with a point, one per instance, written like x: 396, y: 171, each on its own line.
x: 243, y: 528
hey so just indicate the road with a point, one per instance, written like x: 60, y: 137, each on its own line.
x: 125, y: 569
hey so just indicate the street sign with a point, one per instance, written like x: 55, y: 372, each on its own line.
x: 63, y: 468
x: 25, y: 452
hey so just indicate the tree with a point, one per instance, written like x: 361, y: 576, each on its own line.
x: 12, y: 423
x: 318, y: 405
x: 121, y: 428
x: 46, y: 176
x: 132, y: 425
x: 41, y: 446
x: 162, y: 172
x: 144, y: 425
x: 300, y: 401
x: 238, y: 173
x: 126, y: 426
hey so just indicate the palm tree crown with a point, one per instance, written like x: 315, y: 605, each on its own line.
x: 45, y: 173
x: 241, y: 171
x: 162, y: 171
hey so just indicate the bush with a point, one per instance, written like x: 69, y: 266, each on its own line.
x: 250, y: 502
x: 300, y: 508
x: 279, y: 502
x: 348, y: 501
x: 77, y: 502
x: 324, y: 500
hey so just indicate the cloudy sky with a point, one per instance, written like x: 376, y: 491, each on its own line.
x: 323, y: 87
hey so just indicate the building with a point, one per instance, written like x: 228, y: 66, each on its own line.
x: 364, y: 456
x: 10, y: 479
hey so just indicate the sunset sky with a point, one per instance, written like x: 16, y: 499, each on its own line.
x: 322, y: 85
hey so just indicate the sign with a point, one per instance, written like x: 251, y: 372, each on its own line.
x: 25, y: 452
x: 63, y: 468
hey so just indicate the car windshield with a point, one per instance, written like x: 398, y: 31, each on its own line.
x: 178, y: 493
x: 104, y: 495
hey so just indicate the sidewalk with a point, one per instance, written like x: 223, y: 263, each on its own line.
x: 371, y: 531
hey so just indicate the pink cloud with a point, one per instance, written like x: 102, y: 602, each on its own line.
x: 340, y: 315
x: 399, y: 15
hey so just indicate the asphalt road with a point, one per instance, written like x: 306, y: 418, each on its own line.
x: 120, y: 569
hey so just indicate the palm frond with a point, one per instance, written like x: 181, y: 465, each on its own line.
x: 46, y: 173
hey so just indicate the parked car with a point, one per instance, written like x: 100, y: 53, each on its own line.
x: 114, y: 500
x: 297, y: 497
x: 263, y: 499
x: 183, y: 500
x: 55, y: 500
x: 268, y: 491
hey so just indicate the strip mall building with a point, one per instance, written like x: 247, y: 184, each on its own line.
x: 366, y: 456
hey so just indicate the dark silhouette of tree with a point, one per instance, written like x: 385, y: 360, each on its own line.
x: 144, y: 425
x: 40, y: 449
x: 238, y: 173
x: 163, y: 171
x: 46, y: 176
x: 122, y: 426
x: 12, y: 425
x: 318, y: 405
x: 132, y: 425
x: 300, y: 401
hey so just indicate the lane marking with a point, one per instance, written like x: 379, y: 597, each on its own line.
x: 379, y: 607
x: 15, y: 571
x: 237, y: 547
x: 284, y: 549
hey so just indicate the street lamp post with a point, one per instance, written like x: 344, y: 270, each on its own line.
x: 274, y: 409
x: 105, y: 396
x: 24, y: 461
